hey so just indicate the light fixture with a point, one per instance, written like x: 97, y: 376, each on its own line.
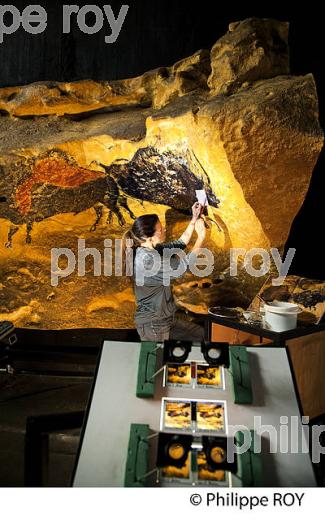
x: 215, y: 449
x: 216, y: 353
x: 176, y: 351
x: 173, y: 449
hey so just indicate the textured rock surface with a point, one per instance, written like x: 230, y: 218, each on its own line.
x: 237, y: 125
x: 155, y: 88
x: 252, y: 50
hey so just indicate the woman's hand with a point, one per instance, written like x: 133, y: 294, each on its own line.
x: 200, y: 228
x: 196, y: 211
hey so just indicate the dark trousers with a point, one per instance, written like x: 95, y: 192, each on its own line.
x: 177, y: 329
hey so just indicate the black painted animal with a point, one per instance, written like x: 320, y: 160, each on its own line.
x: 53, y: 183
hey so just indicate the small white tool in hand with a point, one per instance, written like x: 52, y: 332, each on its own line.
x: 202, y: 197
x: 203, y: 200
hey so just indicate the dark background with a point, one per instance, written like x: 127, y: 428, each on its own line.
x: 158, y: 33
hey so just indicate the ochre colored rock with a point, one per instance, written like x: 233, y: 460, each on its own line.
x: 155, y: 88
x: 182, y: 78
x: 269, y: 147
x: 252, y: 50
x: 104, y: 153
x: 46, y: 98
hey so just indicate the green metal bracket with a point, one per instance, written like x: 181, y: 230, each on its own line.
x: 146, y: 369
x: 137, y: 464
x: 240, y: 375
x: 249, y: 463
x: 138, y: 455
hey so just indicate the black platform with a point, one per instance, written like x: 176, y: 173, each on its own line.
x: 279, y: 339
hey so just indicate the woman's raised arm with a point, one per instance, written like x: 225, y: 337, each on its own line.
x: 196, y: 212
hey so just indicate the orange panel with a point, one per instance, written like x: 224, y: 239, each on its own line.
x: 308, y: 361
x: 234, y: 337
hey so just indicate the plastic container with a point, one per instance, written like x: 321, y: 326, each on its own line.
x: 281, y: 316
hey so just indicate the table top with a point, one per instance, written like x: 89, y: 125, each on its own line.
x: 113, y: 406
x: 279, y: 338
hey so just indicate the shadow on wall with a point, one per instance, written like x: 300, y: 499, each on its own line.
x: 174, y: 217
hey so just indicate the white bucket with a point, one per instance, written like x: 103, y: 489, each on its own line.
x: 281, y: 316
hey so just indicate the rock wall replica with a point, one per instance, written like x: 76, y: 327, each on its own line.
x: 82, y: 160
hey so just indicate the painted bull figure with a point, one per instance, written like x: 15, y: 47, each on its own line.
x: 53, y: 183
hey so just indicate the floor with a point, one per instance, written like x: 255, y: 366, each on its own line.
x: 51, y: 372
x: 24, y: 396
